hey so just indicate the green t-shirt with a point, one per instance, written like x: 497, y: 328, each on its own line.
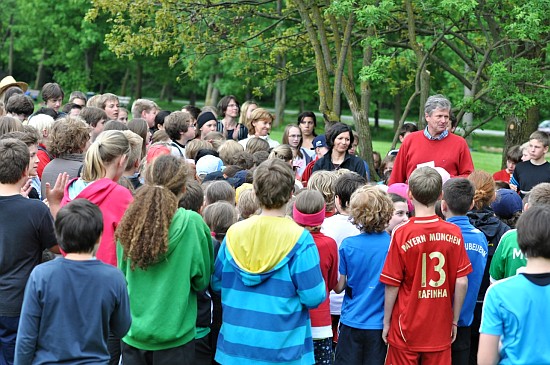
x: 508, y: 259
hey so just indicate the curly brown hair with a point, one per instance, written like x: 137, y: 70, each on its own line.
x: 143, y: 230
x: 370, y: 209
x: 69, y: 135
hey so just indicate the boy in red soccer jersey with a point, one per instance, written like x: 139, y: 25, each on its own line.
x: 425, y: 276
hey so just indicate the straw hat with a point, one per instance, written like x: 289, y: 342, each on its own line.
x: 9, y: 81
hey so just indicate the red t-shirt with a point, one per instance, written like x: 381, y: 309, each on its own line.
x: 426, y: 256
x: 43, y: 159
x: 308, y: 172
x: 328, y: 253
x: 502, y: 175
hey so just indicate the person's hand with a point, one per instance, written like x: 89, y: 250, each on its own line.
x: 385, y: 333
x: 514, y: 187
x: 55, y: 194
x: 26, y: 189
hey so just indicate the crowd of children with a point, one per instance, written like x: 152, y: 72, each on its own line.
x: 216, y: 244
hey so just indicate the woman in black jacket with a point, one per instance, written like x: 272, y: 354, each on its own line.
x: 339, y: 140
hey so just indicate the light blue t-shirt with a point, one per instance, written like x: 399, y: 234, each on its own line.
x: 517, y: 310
x: 362, y: 258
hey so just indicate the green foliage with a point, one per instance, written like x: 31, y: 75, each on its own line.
x: 507, y: 81
x: 376, y: 70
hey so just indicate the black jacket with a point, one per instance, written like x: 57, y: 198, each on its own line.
x: 485, y: 220
x: 352, y: 163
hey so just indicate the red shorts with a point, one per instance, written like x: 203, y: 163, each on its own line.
x: 397, y: 356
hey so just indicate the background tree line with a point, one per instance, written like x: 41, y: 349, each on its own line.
x: 490, y: 57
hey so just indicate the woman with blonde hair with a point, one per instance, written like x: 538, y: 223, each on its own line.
x: 104, y: 164
x: 166, y: 255
x: 259, y: 125
x: 246, y: 110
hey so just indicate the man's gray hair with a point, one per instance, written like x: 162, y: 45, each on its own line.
x: 437, y: 102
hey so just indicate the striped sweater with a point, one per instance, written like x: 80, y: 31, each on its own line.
x: 268, y: 274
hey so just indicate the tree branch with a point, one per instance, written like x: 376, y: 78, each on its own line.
x: 339, y: 72
x: 481, y: 124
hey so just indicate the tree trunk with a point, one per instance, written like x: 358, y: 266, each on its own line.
x: 40, y: 70
x: 193, y: 98
x: 518, y: 131
x: 323, y: 82
x: 215, y: 91
x: 10, y: 59
x: 139, y: 80
x: 424, y: 94
x: 396, y: 110
x: 360, y: 111
x: 163, y: 91
x: 124, y: 84
x: 468, y: 118
x: 89, y: 57
x: 280, y: 95
x: 209, y: 90
x: 169, y: 92
x: 421, y: 66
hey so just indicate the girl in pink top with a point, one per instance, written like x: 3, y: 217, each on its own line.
x: 104, y: 164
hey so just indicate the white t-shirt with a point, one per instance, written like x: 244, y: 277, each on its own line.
x: 338, y: 227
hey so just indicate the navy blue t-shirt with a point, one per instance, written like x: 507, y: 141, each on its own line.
x: 69, y: 308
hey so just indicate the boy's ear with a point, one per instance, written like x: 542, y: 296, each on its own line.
x: 444, y: 206
x: 26, y: 172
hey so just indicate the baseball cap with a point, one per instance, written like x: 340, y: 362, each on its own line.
x: 208, y: 164
x: 507, y: 203
x: 319, y: 141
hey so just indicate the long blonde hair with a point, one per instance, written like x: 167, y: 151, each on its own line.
x: 108, y: 146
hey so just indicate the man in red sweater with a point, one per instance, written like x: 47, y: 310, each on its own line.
x: 434, y: 146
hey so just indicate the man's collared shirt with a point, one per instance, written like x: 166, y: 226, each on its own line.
x: 438, y: 138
